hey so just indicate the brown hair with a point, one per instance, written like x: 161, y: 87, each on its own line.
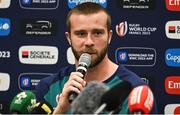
x: 87, y: 8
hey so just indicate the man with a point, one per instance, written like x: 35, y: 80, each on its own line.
x: 88, y: 32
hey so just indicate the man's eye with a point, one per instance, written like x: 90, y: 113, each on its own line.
x: 98, y: 33
x: 80, y: 34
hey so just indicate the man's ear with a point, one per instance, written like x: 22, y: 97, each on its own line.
x: 110, y: 36
x: 68, y: 37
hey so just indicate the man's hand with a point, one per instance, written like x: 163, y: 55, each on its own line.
x: 75, y: 84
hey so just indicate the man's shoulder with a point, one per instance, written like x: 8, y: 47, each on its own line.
x: 128, y: 75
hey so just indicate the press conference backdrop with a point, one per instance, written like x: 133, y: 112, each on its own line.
x: 146, y: 38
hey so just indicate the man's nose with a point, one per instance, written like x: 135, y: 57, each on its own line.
x: 89, y: 41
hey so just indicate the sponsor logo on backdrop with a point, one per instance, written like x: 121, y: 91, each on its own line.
x: 38, y: 54
x: 4, y: 105
x: 28, y: 81
x: 5, y: 3
x: 74, y: 3
x: 172, y: 57
x: 173, y: 5
x: 5, y: 26
x: 136, y: 4
x: 1, y: 106
x: 70, y: 56
x: 39, y: 4
x: 173, y: 29
x: 25, y: 82
x: 135, y: 56
x: 172, y: 109
x: 124, y: 28
x: 149, y: 79
x: 145, y: 80
x: 172, y: 85
x: 121, y: 29
x: 4, y: 81
x: 26, y: 2
x: 39, y: 27
x: 5, y: 54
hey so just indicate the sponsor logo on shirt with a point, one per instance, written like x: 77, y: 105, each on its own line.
x: 38, y: 54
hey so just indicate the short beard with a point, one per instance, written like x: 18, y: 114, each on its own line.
x: 99, y: 58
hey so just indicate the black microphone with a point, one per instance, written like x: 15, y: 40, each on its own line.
x: 42, y: 108
x: 84, y: 63
x: 113, y: 98
x: 89, y: 99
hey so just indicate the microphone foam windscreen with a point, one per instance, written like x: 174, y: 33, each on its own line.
x: 89, y: 99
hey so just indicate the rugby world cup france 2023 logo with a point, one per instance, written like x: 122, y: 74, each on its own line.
x: 121, y: 29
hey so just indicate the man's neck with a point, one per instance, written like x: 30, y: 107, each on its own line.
x: 102, y: 71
